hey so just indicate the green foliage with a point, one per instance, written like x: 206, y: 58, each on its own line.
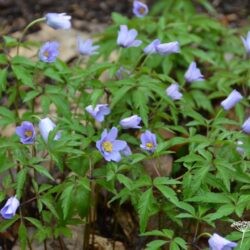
x: 194, y: 180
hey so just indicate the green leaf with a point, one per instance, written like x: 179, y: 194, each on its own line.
x: 210, y: 197
x: 155, y: 244
x: 5, y: 224
x: 35, y: 222
x: 3, y: 59
x: 140, y: 98
x: 48, y: 202
x: 125, y: 181
x: 7, y: 116
x: 119, y: 94
x: 31, y: 95
x: 119, y: 19
x: 169, y: 193
x: 66, y: 198
x: 20, y: 181
x: 43, y: 171
x: 145, y: 208
x: 3, y: 79
x: 223, y: 211
x: 23, y: 75
x: 10, y: 41
x: 22, y: 235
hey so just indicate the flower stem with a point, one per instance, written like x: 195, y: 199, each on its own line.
x: 26, y: 29
x: 242, y: 238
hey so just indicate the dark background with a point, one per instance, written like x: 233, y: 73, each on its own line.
x: 15, y: 14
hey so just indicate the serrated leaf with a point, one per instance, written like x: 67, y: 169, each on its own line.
x: 43, y: 171
x: 66, y: 198
x: 35, y: 222
x: 31, y: 95
x: 22, y: 235
x: 155, y: 244
x: 119, y: 94
x: 20, y: 181
x: 23, y: 75
x: 144, y: 208
x: 48, y: 202
x: 169, y: 193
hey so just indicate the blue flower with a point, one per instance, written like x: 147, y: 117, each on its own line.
x: 246, y: 126
x: 168, y: 48
x: 111, y: 148
x: 193, y: 73
x: 239, y: 147
x: 26, y: 132
x: 216, y: 242
x: 58, y: 20
x: 49, y: 52
x: 10, y: 207
x: 148, y: 141
x: 173, y: 92
x: 121, y: 73
x: 151, y: 48
x: 246, y: 42
x: 126, y: 38
x: 86, y: 47
x: 140, y: 9
x: 46, y: 126
x: 231, y: 100
x: 98, y: 112
x: 131, y: 122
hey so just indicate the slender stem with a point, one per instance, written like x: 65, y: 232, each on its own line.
x: 242, y: 238
x: 196, y: 229
x: 26, y: 29
x: 203, y: 234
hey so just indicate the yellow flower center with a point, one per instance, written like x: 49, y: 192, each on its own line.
x: 46, y: 53
x: 28, y: 133
x: 149, y: 145
x: 141, y: 10
x: 108, y: 147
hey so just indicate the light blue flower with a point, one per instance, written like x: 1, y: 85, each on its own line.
x: 111, y: 148
x: 98, y: 112
x: 46, y: 126
x: 193, y: 73
x: 131, y: 122
x: 246, y: 42
x: 58, y: 20
x: 168, y: 48
x: 173, y: 92
x: 233, y: 98
x: 121, y: 73
x: 49, y: 52
x: 148, y: 141
x: 246, y: 126
x: 86, y: 47
x: 151, y: 48
x: 216, y: 242
x: 10, y: 207
x: 126, y: 38
x: 26, y: 132
x: 140, y: 9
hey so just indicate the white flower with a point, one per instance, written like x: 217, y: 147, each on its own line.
x: 45, y: 127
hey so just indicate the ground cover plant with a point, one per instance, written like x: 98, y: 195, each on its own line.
x: 153, y: 115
